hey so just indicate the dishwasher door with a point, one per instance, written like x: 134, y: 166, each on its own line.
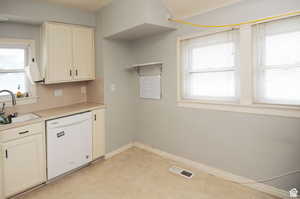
x: 69, y: 143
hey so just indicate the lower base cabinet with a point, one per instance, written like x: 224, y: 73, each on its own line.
x: 98, y: 133
x: 23, y: 155
x: 22, y: 162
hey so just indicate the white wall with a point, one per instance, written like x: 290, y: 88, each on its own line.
x: 37, y: 11
x: 248, y: 145
x: 112, y: 59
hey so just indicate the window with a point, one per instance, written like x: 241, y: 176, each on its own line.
x: 15, y: 55
x: 12, y: 63
x: 209, y: 66
x: 255, y: 69
x: 278, y: 61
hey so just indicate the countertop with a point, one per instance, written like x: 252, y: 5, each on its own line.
x: 53, y: 113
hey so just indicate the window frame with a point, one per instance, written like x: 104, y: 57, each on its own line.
x: 29, y: 46
x: 248, y: 76
x: 185, y: 72
x: 260, y: 67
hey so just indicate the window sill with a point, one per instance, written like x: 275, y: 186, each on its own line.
x: 261, y: 109
x: 20, y: 101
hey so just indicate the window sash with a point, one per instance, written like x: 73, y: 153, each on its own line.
x: 261, y: 32
x: 188, y: 94
x: 17, y: 46
x: 29, y: 52
x: 188, y: 63
x: 12, y: 71
x: 187, y: 69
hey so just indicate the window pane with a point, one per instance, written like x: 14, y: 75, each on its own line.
x: 11, y: 58
x: 216, y: 84
x: 283, y: 49
x: 11, y: 81
x: 214, y: 56
x: 282, y: 85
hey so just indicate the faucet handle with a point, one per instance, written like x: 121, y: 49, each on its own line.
x: 3, y: 107
x: 14, y: 115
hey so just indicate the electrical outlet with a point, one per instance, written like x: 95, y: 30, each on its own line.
x: 83, y: 90
x: 58, y: 92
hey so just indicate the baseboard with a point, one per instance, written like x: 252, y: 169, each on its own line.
x: 217, y: 172
x: 119, y: 150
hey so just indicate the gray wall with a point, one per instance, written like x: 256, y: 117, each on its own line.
x: 249, y: 145
x: 22, y: 31
x: 112, y: 59
x: 37, y: 11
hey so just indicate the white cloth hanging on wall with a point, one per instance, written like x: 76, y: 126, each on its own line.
x: 150, y: 87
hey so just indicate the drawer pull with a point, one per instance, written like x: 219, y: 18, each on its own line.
x: 24, y: 132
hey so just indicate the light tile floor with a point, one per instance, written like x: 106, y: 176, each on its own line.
x: 137, y: 174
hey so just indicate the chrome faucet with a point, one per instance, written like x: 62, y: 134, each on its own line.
x: 13, y: 99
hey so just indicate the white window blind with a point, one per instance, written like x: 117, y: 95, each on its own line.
x: 209, y: 67
x: 277, y: 58
x: 13, y: 59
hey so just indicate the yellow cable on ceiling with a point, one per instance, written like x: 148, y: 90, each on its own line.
x: 234, y: 25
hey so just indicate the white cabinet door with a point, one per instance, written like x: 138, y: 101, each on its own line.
x: 1, y: 175
x: 59, y: 64
x: 23, y: 164
x: 83, y: 53
x: 99, y: 133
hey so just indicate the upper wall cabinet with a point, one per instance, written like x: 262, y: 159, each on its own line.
x: 68, y: 53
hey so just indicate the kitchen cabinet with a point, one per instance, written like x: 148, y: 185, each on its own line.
x: 83, y: 53
x: 68, y: 53
x: 98, y: 133
x: 22, y: 159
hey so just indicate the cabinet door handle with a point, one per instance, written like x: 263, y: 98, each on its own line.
x: 6, y: 154
x: 23, y: 132
x: 70, y: 73
x: 76, y: 72
x: 95, y: 117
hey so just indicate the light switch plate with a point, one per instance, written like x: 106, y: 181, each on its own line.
x: 58, y: 92
x: 112, y: 87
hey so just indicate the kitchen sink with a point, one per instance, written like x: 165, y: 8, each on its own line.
x: 24, y: 118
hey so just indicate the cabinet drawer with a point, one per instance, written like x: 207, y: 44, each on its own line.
x: 20, y: 132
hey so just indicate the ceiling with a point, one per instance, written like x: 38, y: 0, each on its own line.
x: 187, y: 8
x: 91, y: 5
x: 178, y: 8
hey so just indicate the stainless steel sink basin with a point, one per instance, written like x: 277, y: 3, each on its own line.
x: 24, y: 118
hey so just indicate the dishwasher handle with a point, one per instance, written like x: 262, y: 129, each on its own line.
x: 56, y: 125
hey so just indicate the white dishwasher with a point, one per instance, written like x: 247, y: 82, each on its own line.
x: 69, y: 143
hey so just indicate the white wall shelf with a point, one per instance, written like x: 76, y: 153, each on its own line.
x: 136, y: 66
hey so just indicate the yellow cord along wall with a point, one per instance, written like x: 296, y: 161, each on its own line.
x: 234, y: 25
